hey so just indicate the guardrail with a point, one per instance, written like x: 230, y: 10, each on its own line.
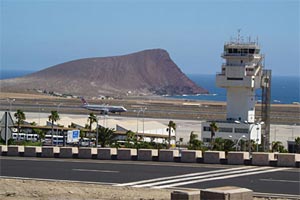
x: 162, y: 155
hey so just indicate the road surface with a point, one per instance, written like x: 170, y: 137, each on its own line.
x: 284, y: 181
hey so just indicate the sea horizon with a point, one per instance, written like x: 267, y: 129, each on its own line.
x: 287, y: 83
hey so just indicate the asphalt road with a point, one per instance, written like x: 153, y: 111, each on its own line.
x: 155, y: 174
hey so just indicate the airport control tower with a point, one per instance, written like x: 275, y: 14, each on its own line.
x: 241, y: 75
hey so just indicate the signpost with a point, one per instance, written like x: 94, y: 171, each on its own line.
x: 6, y: 124
x: 73, y: 136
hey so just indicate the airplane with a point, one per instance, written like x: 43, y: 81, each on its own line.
x: 104, y: 109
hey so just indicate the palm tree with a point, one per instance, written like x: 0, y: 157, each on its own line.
x: 194, y: 143
x: 106, y: 136
x: 92, y: 119
x: 171, y: 126
x: 276, y: 145
x: 53, y: 118
x: 131, y: 138
x: 219, y: 144
x: 297, y: 141
x: 213, y: 129
x: 20, y: 116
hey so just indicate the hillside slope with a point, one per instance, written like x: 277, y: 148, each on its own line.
x: 145, y: 72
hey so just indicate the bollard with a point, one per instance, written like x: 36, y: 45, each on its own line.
x: 14, y: 150
x: 226, y: 193
x: 185, y: 195
x: 166, y: 155
x: 147, y: 154
x: 287, y: 159
x: 31, y: 151
x: 237, y: 158
x: 106, y: 153
x: 126, y: 154
x: 87, y: 152
x: 262, y: 159
x: 49, y: 152
x: 190, y: 156
x: 213, y: 157
x: 68, y: 152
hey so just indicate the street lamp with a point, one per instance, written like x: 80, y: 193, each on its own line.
x: 39, y: 113
x: 237, y: 144
x: 97, y: 134
x: 57, y: 124
x: 238, y: 141
x: 10, y: 101
x: 137, y: 118
x: 249, y: 133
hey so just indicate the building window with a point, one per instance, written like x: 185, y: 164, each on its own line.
x: 234, y: 79
x: 241, y: 130
x: 206, y: 128
x: 251, y: 51
x: 227, y: 130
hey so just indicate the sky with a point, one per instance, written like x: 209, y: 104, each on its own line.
x: 36, y: 34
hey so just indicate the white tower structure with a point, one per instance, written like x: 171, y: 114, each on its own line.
x: 241, y: 75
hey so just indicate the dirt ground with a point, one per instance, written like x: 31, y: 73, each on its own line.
x: 13, y: 189
x: 16, y: 189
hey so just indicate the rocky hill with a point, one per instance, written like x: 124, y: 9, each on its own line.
x: 146, y: 72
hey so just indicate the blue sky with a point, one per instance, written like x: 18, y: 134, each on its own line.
x: 36, y: 34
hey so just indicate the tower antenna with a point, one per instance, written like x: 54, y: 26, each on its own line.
x: 239, y: 35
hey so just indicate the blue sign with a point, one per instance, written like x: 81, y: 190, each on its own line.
x: 73, y: 136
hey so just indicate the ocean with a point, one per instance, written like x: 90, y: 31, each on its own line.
x: 285, y: 89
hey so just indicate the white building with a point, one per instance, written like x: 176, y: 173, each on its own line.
x: 241, y: 75
x: 150, y: 130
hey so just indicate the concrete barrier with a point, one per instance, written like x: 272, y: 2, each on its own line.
x: 237, y: 158
x: 3, y: 149
x: 226, y: 193
x: 87, y: 152
x: 68, y: 152
x: 185, y: 195
x: 167, y: 155
x: 126, y: 154
x: 190, y: 156
x: 31, y: 151
x: 106, y: 153
x: 14, y: 150
x: 49, y: 152
x: 147, y: 154
x: 262, y: 159
x: 213, y: 157
x: 287, y: 159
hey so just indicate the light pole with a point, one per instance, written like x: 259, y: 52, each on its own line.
x: 39, y: 113
x: 57, y: 124
x: 238, y: 141
x: 97, y: 135
x: 237, y: 144
x: 10, y: 101
x: 249, y: 133
x: 143, y: 110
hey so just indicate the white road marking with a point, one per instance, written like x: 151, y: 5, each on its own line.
x: 200, y: 177
x: 184, y: 175
x: 217, y: 178
x: 95, y: 170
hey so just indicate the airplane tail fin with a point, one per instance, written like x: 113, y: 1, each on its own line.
x: 84, y: 102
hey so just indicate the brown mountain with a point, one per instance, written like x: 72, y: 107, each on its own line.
x: 145, y: 72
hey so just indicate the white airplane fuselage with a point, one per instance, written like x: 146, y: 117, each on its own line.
x: 105, y: 108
